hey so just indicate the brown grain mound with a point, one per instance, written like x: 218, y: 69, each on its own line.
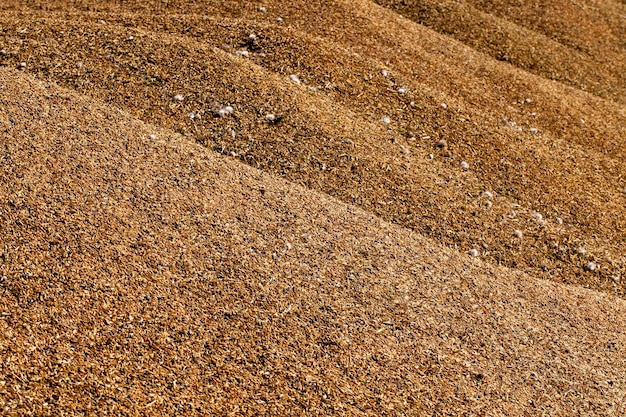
x: 148, y: 276
x: 143, y: 273
x: 538, y: 146
x: 578, y: 43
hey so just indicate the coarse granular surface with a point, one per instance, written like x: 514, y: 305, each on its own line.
x: 346, y: 207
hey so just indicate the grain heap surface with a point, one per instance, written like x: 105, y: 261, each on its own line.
x: 213, y: 208
x: 540, y: 145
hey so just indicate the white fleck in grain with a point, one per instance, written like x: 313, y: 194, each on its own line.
x: 591, y: 266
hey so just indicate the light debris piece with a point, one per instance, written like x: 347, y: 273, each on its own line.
x: 295, y: 79
x: 464, y: 165
x: 178, y: 97
x: 591, y: 266
x: 270, y: 117
x: 474, y: 252
x: 386, y: 120
x: 519, y: 234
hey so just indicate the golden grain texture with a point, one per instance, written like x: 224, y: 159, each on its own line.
x: 327, y: 275
x: 331, y: 139
x: 151, y: 276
